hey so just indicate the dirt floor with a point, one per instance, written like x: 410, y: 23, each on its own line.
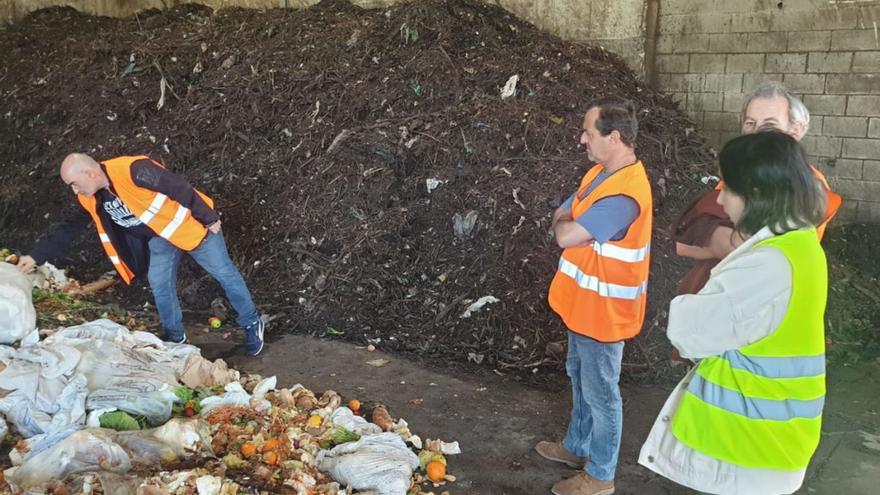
x: 498, y: 420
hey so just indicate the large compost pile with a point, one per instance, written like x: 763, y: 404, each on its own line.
x: 373, y: 181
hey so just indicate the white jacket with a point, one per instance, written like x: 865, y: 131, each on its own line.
x: 745, y: 300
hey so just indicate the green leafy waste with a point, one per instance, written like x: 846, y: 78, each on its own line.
x: 336, y: 436
x: 119, y: 421
x: 58, y: 308
x: 187, y: 397
x: 183, y: 394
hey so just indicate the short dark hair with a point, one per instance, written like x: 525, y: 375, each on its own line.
x: 769, y: 171
x: 617, y: 114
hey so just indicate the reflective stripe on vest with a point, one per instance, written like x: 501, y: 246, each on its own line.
x: 752, y: 407
x: 90, y: 205
x: 163, y: 215
x: 777, y: 367
x: 609, y: 250
x: 590, y: 282
x: 172, y: 227
x: 154, y: 208
x: 760, y: 406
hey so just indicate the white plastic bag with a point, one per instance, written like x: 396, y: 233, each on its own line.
x: 101, y: 329
x: 236, y: 395
x: 147, y: 346
x: 120, y: 375
x: 209, y: 485
x: 187, y: 436
x: 509, y: 88
x: 379, y: 462
x: 176, y: 440
x: 26, y: 418
x: 104, y: 361
x: 129, y: 371
x: 199, y: 372
x: 40, y: 401
x: 54, y: 457
x: 140, y: 398
x: 39, y: 382
x: 25, y: 449
x: 345, y: 418
x: 85, y: 450
x: 48, y: 277
x: 264, y: 386
x: 17, y: 315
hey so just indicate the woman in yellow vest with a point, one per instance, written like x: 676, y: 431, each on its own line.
x: 747, y: 419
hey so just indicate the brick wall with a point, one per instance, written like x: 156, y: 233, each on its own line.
x: 828, y: 53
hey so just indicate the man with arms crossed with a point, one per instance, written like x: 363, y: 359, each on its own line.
x: 599, y: 291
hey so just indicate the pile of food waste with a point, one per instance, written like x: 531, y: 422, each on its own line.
x: 99, y: 408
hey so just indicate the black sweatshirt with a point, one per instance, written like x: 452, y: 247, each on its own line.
x: 127, y: 233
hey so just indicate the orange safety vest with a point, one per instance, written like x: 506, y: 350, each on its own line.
x: 832, y: 201
x: 164, y: 216
x: 600, y: 290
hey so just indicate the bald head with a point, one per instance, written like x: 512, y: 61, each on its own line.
x: 83, y: 174
x: 76, y: 163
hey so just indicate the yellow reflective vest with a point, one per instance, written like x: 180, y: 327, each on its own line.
x: 760, y: 406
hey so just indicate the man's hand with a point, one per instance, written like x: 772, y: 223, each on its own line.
x: 214, y: 227
x: 569, y: 233
x: 693, y: 252
x: 560, y: 214
x: 26, y: 264
x: 723, y: 241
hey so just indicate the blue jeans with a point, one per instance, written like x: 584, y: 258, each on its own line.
x: 597, y: 409
x: 211, y: 255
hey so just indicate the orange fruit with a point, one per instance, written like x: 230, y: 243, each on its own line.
x: 436, y: 471
x: 354, y: 405
x: 270, y: 458
x: 248, y: 449
x: 271, y: 444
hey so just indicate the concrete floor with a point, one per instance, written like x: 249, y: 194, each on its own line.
x: 497, y: 421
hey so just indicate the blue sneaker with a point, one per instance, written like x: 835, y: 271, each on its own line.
x: 174, y: 340
x: 253, y: 337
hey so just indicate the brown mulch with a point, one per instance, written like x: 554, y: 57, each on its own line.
x: 315, y: 131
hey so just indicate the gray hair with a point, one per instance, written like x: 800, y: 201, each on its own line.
x: 797, y: 111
